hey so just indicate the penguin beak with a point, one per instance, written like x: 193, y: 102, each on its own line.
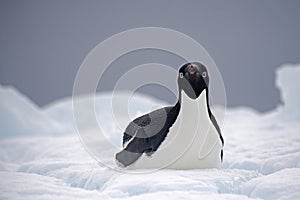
x: 192, y: 70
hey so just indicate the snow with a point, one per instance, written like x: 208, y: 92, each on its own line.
x: 275, y: 185
x: 42, y: 157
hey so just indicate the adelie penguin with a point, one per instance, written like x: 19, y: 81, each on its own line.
x: 183, y: 136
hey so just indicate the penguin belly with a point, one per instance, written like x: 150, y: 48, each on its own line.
x: 192, y: 142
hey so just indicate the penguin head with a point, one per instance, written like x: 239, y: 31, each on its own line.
x: 193, y: 79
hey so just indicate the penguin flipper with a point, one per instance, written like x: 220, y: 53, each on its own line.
x: 133, y: 150
x: 125, y: 158
x: 134, y: 126
x: 135, y: 138
x: 142, y: 122
x: 215, y: 123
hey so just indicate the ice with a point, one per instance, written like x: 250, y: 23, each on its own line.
x: 42, y: 157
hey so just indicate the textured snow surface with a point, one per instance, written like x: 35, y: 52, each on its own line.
x: 41, y: 156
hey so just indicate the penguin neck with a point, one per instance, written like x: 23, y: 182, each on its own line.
x: 201, y: 102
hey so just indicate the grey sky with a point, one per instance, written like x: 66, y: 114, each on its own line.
x: 42, y: 43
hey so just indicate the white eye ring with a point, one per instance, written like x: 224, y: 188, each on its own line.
x: 203, y: 74
x: 181, y: 75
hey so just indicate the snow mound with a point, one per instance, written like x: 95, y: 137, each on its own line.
x: 21, y: 117
x: 275, y: 185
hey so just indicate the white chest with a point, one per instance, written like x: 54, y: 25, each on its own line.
x: 191, y: 143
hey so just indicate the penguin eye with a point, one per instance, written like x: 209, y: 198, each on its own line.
x: 181, y: 75
x: 204, y: 74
